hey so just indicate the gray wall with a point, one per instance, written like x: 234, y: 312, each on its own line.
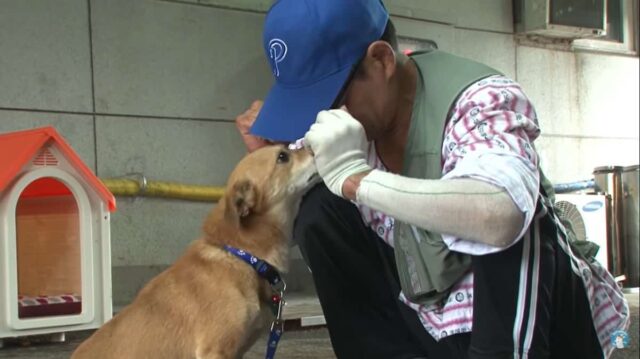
x: 136, y: 86
x: 153, y: 86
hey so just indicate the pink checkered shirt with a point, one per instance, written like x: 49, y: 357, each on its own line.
x: 493, y: 115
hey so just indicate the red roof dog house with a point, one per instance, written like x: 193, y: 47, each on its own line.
x: 55, y: 255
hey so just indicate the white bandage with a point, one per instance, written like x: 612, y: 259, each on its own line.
x: 465, y: 208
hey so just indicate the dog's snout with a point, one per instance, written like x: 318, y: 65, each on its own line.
x: 302, y: 153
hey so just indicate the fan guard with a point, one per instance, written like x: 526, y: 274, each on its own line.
x: 570, y: 212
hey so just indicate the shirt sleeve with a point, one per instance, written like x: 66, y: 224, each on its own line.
x: 489, y: 137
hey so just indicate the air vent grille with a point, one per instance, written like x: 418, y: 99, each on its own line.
x: 45, y: 158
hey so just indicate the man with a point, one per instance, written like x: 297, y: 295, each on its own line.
x: 435, y: 234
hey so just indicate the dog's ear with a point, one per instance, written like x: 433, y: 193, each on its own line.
x: 241, y: 200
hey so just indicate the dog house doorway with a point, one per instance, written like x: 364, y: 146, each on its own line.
x: 48, y: 249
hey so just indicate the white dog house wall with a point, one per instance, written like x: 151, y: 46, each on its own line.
x: 55, y: 249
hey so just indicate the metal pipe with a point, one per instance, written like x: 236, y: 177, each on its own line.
x: 608, y: 181
x: 129, y: 187
x: 573, y: 186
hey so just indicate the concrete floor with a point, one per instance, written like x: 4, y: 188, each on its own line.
x: 308, y: 344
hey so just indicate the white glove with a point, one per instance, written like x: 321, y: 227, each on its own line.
x: 339, y: 146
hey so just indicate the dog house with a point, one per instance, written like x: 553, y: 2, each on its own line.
x: 55, y: 256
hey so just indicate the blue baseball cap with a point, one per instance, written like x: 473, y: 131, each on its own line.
x: 312, y: 47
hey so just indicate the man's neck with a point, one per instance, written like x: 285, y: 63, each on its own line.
x: 390, y: 149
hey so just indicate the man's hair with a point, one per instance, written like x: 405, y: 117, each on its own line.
x: 389, y: 35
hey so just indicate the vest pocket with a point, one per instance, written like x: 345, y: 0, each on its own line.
x: 426, y: 267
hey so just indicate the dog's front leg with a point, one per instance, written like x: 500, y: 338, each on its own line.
x: 225, y: 354
x: 225, y: 343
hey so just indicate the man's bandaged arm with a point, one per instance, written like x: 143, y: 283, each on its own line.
x: 466, y: 208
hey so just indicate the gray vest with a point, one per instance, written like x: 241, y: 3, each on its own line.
x: 427, y: 268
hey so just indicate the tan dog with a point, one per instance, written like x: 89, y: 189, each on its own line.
x: 210, y: 304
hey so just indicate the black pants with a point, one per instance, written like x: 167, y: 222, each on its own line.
x: 357, y: 283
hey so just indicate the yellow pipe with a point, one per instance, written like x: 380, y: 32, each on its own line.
x: 132, y: 188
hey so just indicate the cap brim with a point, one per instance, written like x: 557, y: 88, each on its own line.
x: 287, y: 113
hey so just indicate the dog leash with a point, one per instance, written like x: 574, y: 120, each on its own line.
x: 269, y: 273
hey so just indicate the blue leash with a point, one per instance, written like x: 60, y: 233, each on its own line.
x: 269, y: 273
x: 277, y: 328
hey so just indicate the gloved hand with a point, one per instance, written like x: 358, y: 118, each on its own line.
x: 339, y: 146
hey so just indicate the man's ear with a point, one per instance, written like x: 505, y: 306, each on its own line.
x: 240, y: 200
x: 383, y: 56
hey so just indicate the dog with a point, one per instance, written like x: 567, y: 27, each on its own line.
x: 209, y: 303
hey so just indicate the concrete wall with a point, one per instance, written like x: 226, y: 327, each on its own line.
x: 153, y: 86
x: 588, y: 109
x: 136, y: 86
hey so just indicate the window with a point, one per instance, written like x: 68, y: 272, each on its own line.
x: 621, y: 28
